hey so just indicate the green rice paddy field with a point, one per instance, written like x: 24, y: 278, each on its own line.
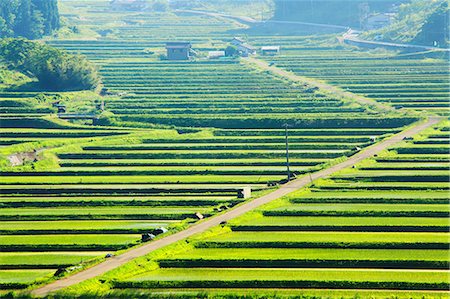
x: 184, y: 137
x: 316, y: 238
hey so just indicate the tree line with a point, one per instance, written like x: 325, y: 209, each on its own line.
x: 28, y: 18
x: 55, y: 69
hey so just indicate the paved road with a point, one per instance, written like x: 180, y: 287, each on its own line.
x: 238, y: 211
x: 321, y: 85
x: 352, y: 38
x: 346, y: 37
x: 249, y: 20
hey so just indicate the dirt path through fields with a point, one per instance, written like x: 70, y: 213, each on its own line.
x: 238, y: 211
x: 316, y: 83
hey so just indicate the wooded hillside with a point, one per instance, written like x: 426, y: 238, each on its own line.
x: 335, y: 12
x: 420, y: 22
x: 28, y: 18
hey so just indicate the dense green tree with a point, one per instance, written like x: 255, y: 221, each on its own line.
x: 50, y: 14
x: 435, y: 31
x: 420, y: 22
x: 28, y: 18
x: 54, y: 69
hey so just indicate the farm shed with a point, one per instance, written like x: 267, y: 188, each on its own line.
x: 243, y: 48
x: 178, y: 50
x: 270, y: 50
x: 246, y: 50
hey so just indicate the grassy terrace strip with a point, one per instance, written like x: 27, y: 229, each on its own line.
x: 81, y: 227
x: 354, y: 230
x: 180, y: 138
x: 403, y: 82
x: 20, y: 279
x: 299, y: 278
x: 44, y: 260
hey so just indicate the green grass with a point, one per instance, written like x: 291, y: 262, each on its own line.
x: 69, y: 239
x: 46, y: 258
x: 155, y: 179
x: 294, y: 274
x: 22, y: 276
x: 316, y: 253
x: 395, y: 194
x: 340, y: 237
x: 102, y: 211
x: 344, y: 221
x: 366, y: 207
x: 81, y: 225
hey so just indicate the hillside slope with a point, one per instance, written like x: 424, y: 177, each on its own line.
x: 421, y: 22
x: 335, y: 12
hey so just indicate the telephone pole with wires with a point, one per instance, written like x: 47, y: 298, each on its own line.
x: 287, y: 152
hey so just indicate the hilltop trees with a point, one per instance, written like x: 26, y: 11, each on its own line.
x: 28, y: 18
x: 54, y: 69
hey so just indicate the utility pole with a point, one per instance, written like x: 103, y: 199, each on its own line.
x: 287, y: 153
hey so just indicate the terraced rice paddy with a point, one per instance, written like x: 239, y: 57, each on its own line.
x: 403, y: 81
x: 348, y: 237
x: 184, y: 137
x: 102, y: 197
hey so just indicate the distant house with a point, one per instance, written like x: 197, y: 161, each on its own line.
x: 378, y: 21
x: 243, y: 48
x: 237, y: 41
x: 216, y: 54
x: 128, y: 5
x: 246, y: 50
x: 178, y: 50
x: 270, y: 50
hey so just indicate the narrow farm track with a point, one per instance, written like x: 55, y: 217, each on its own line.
x: 315, y: 83
x: 231, y: 214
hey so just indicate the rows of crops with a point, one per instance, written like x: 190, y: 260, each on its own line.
x: 106, y: 187
x: 201, y: 93
x: 377, y: 226
x: 403, y: 81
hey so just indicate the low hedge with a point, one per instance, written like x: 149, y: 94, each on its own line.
x: 342, y: 228
x: 32, y: 266
x: 230, y: 162
x: 74, y: 231
x: 424, y: 150
x: 369, y: 200
x: 293, y: 244
x: 397, y: 178
x: 118, y: 190
x: 281, y: 139
x: 60, y: 134
x: 148, y: 216
x: 163, y: 171
x: 216, y: 146
x: 13, y: 286
x: 413, y: 159
x: 312, y: 284
x: 198, y: 155
x: 307, y: 132
x: 397, y: 168
x: 267, y: 123
x: 383, y: 188
x: 63, y: 247
x: 359, y: 213
x: 112, y: 203
x: 297, y: 263
x: 28, y: 122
